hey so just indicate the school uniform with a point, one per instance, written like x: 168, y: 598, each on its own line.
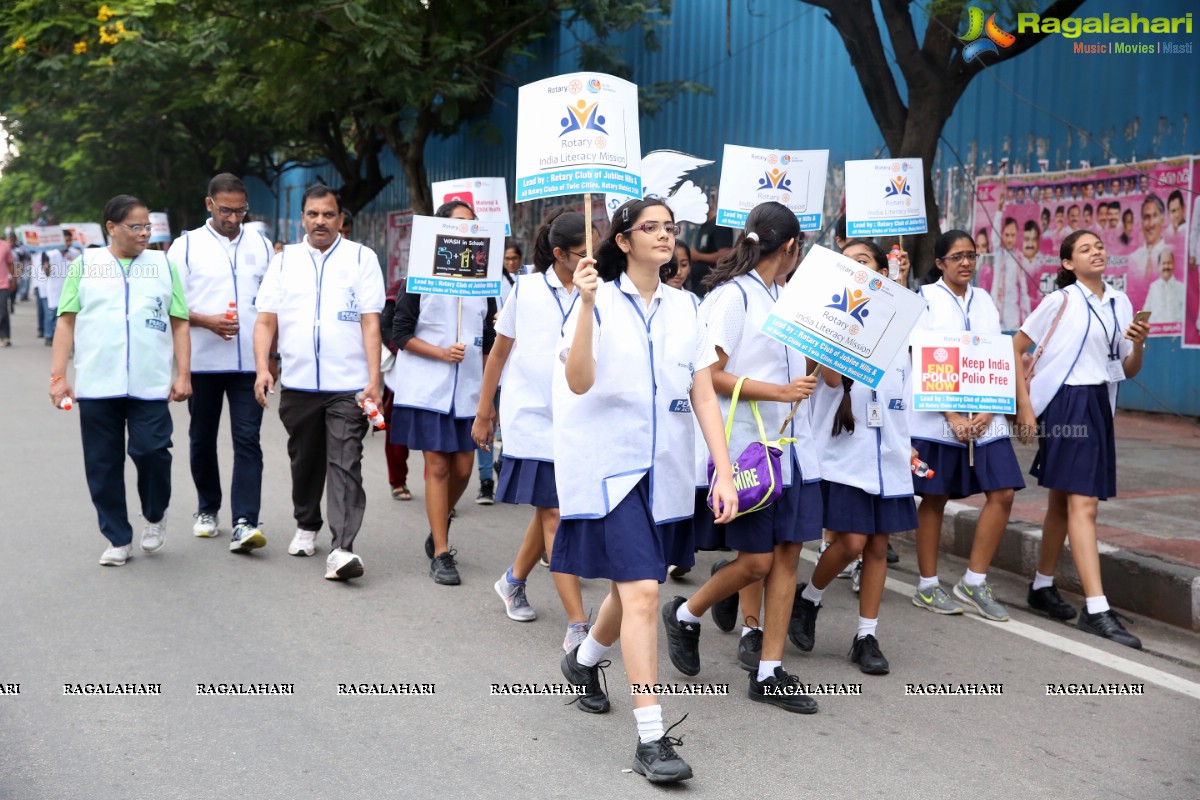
x: 996, y: 464
x: 319, y: 299
x: 218, y: 271
x: 435, y: 401
x: 124, y: 360
x: 624, y: 451
x: 532, y: 317
x: 1073, y: 392
x: 867, y: 476
x: 733, y: 314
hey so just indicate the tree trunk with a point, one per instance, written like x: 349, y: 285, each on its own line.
x: 412, y: 157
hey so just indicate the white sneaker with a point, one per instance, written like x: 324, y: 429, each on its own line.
x: 206, y: 526
x: 856, y: 576
x: 304, y: 543
x: 116, y: 556
x: 342, y: 565
x: 153, y: 535
x: 246, y: 537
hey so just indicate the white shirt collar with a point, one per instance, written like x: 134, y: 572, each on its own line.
x: 626, y: 285
x: 553, y: 279
x: 317, y: 253
x: 228, y: 242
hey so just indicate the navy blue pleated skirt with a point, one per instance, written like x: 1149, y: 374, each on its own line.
x: 526, y: 482
x: 995, y: 468
x: 1077, y: 451
x: 849, y: 509
x: 421, y: 429
x: 795, y: 517
x: 625, y: 545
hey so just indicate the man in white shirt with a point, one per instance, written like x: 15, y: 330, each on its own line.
x: 325, y: 313
x: 1164, y: 300
x: 1175, y: 208
x: 223, y: 265
x: 1145, y: 258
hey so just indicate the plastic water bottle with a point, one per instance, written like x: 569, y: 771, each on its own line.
x: 372, y: 412
x: 921, y: 469
x: 231, y: 312
x: 66, y: 404
x: 894, y: 263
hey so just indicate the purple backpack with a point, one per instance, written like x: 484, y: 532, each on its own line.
x: 757, y: 472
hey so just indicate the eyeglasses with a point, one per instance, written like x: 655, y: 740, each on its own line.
x: 577, y: 255
x: 653, y: 228
x: 136, y: 228
x: 958, y: 258
x: 222, y: 211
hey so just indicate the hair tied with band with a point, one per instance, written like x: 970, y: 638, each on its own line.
x: 752, y: 236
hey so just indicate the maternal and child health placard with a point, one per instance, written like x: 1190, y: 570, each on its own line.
x: 455, y: 257
x: 487, y: 197
x: 578, y: 133
x: 844, y: 316
x: 885, y: 197
x: 753, y: 175
x: 964, y: 372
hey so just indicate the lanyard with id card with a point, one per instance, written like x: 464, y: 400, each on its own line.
x: 1116, y: 370
x: 874, y: 411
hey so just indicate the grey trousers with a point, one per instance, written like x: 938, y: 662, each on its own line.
x: 325, y: 445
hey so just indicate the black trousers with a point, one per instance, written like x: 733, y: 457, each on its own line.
x: 209, y: 390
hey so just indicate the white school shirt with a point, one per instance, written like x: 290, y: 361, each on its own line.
x: 533, y: 318
x: 217, y: 271
x: 946, y: 311
x: 320, y: 299
x: 636, y: 420
x: 1078, y: 352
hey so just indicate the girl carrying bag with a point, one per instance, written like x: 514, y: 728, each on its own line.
x: 757, y: 472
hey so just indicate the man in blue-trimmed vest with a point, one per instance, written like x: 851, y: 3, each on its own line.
x: 321, y: 300
x: 223, y: 265
x: 123, y: 312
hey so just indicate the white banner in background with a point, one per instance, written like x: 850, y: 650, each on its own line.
x: 455, y: 257
x: 488, y: 197
x: 885, y: 197
x: 751, y: 175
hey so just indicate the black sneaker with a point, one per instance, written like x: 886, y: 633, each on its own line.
x: 444, y: 569
x: 783, y: 690
x: 487, y: 493
x: 893, y: 557
x: 865, y: 652
x: 802, y: 628
x: 724, y: 612
x: 683, y: 638
x: 596, y: 699
x: 658, y: 760
x: 429, y: 538
x: 1107, y: 625
x: 1047, y: 601
x: 750, y: 650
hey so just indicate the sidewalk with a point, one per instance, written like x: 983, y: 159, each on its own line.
x: 1149, y: 533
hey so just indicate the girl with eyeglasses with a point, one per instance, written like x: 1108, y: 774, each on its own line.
x: 943, y: 441
x: 526, y: 341
x: 633, y: 367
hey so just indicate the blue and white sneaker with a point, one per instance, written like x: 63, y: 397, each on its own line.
x: 246, y: 537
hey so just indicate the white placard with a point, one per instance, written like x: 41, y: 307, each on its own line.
x: 964, y: 372
x: 85, y: 234
x: 578, y: 133
x: 885, y: 197
x: 487, y: 197
x: 752, y: 175
x: 41, y: 237
x: 844, y: 316
x: 160, y: 228
x: 456, y: 257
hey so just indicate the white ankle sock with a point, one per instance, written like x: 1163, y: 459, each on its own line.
x: 766, y: 669
x: 1097, y: 604
x: 1041, y: 581
x: 866, y: 627
x: 927, y: 583
x: 649, y: 723
x: 812, y: 594
x: 974, y: 578
x: 685, y: 615
x: 746, y: 630
x: 591, y: 651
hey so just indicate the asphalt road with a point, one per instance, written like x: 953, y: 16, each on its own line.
x: 196, y: 614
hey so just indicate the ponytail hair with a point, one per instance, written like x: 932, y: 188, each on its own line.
x: 1066, y: 251
x: 843, y: 419
x: 566, y: 231
x: 769, y: 227
x: 611, y: 261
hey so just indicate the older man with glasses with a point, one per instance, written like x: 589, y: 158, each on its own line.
x: 223, y: 265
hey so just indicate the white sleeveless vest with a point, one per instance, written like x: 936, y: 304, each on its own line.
x: 425, y: 383
x: 124, y: 346
x: 637, y: 417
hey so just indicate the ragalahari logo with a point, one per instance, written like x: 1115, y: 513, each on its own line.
x: 853, y: 303
x: 898, y: 187
x: 775, y: 179
x: 582, y: 116
x: 976, y: 27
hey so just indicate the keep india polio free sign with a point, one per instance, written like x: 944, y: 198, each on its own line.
x: 964, y: 372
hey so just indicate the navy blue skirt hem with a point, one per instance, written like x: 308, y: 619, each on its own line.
x: 526, y: 482
x: 1078, y: 453
x: 421, y: 429
x: 849, y: 509
x: 996, y: 467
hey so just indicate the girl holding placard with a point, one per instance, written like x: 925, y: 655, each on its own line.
x: 944, y: 441
x: 1072, y: 397
x: 635, y: 368
x: 863, y: 442
x: 437, y: 377
x: 742, y: 289
x: 526, y: 340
